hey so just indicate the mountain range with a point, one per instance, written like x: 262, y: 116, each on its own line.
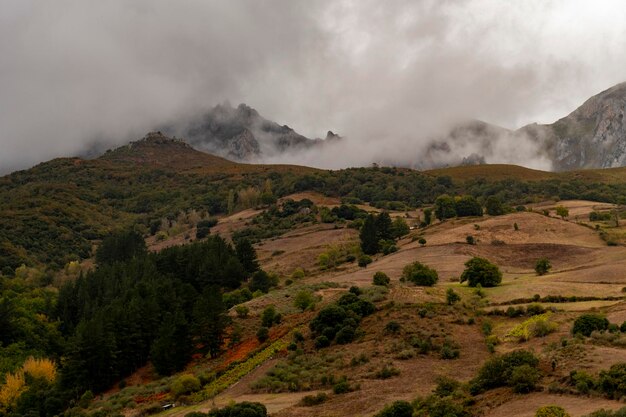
x: 592, y: 136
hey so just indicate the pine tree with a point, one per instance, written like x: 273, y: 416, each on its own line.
x: 210, y: 318
x: 247, y: 255
x: 171, y: 350
x: 384, y: 226
x: 369, y: 236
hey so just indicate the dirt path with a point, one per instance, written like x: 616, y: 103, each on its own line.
x: 527, y: 405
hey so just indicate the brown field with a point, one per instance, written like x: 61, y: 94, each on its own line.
x: 583, y: 265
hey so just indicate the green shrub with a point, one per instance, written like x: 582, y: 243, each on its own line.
x: 364, y: 260
x: 542, y: 266
x: 551, y: 411
x: 263, y: 334
x: 387, y: 372
x: 380, y: 278
x: 247, y: 409
x: 392, y: 327
x: 312, y: 400
x: 588, y: 323
x: 396, y: 409
x: 321, y: 342
x: 185, y: 384
x: 420, y: 274
x: 613, y: 382
x: 341, y: 387
x: 452, y: 297
x: 498, y: 371
x: 524, y: 379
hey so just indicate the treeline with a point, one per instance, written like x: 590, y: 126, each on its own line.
x: 134, y: 307
x: 51, y: 213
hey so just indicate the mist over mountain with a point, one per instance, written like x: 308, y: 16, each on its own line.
x: 241, y: 134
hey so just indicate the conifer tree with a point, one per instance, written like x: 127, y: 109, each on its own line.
x: 369, y: 236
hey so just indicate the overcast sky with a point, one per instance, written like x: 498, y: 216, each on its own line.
x: 386, y: 74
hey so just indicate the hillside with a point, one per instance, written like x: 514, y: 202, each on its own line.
x: 157, y: 264
x: 55, y: 212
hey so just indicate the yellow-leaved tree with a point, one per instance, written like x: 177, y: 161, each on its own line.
x: 12, y: 389
x: 40, y: 368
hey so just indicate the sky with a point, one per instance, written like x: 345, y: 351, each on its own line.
x: 385, y: 75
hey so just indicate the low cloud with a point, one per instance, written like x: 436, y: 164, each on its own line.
x: 389, y: 76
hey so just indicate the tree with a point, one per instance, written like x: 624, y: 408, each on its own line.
x: 384, y: 226
x: 481, y: 271
x: 588, y: 323
x: 399, y: 228
x: 369, y: 236
x: 542, y: 266
x: 470, y: 240
x: 445, y: 207
x: 551, y: 411
x: 494, y: 206
x: 120, y: 247
x: 210, y: 318
x: 421, y: 241
x: 562, y: 212
x: 467, y: 206
x: 260, y: 281
x: 452, y: 297
x: 247, y: 255
x: 428, y: 216
x: 420, y: 274
x: 171, y: 350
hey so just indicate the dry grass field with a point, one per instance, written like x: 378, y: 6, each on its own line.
x: 582, y: 265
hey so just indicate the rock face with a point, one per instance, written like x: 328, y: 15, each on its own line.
x: 592, y: 136
x: 241, y: 134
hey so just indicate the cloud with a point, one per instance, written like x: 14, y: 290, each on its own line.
x: 388, y: 75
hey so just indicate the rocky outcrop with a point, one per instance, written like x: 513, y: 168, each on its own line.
x: 241, y: 133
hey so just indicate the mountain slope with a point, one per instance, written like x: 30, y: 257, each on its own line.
x: 592, y: 136
x: 241, y: 134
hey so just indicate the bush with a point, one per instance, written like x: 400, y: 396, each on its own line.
x: 498, y: 371
x: 387, y: 372
x: 247, y: 409
x: 588, y: 323
x: 551, y: 411
x: 341, y: 387
x: 421, y: 241
x: 481, y: 271
x: 263, y: 334
x: 612, y: 382
x: 269, y: 317
x: 304, y: 300
x: 420, y: 274
x: 542, y: 266
x: 321, y: 342
x: 452, y: 297
x: 345, y: 335
x: 380, y: 278
x: 524, y: 379
x: 470, y: 240
x: 312, y: 400
x: 242, y: 311
x: 185, y: 384
x: 397, y: 409
x: 392, y: 327
x: 364, y: 260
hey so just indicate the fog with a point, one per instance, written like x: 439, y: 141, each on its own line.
x: 388, y: 76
